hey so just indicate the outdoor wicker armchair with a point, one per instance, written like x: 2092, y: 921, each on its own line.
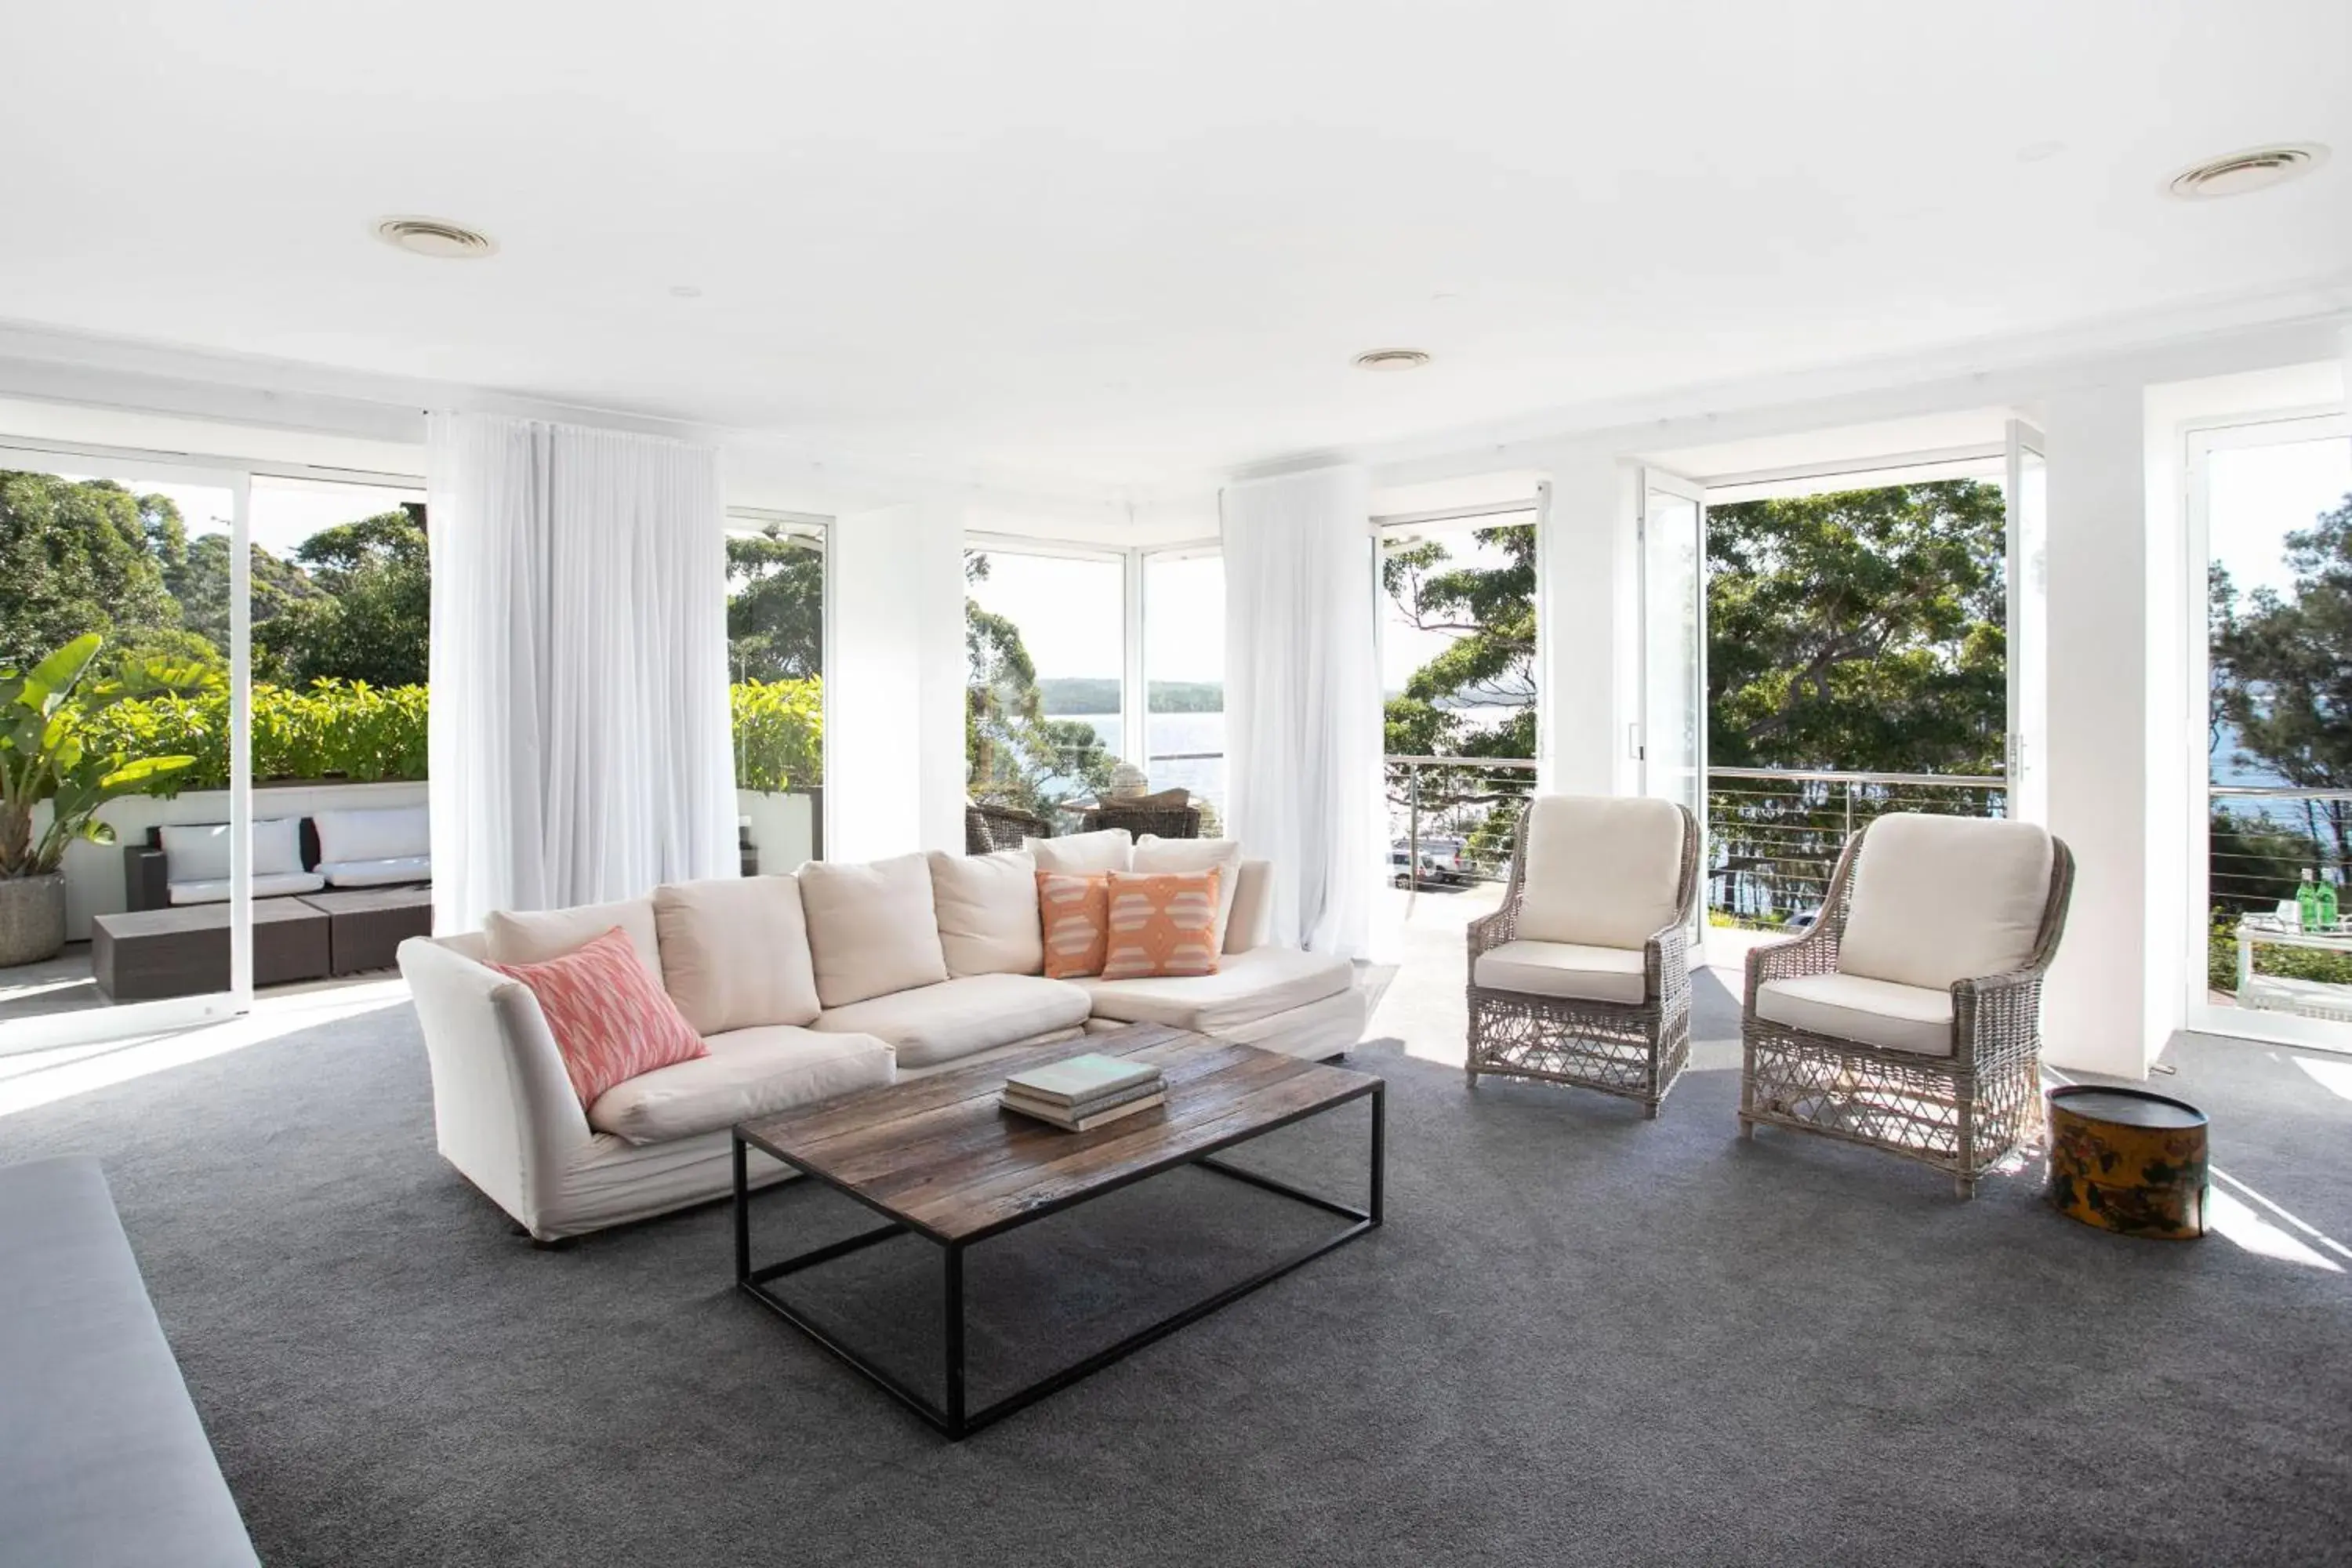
x: 990, y: 826
x: 1908, y: 1017
x: 1583, y: 975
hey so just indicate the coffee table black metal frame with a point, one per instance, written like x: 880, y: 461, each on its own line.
x: 954, y: 1417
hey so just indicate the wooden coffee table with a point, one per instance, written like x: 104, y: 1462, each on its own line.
x: 939, y: 1159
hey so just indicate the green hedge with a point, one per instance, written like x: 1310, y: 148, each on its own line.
x: 350, y: 730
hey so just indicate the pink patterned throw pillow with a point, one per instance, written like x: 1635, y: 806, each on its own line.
x: 609, y: 1021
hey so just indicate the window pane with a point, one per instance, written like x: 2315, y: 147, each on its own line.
x: 1184, y: 674
x: 775, y: 649
x: 1046, y: 640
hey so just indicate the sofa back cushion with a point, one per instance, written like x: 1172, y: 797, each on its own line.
x: 1155, y: 854
x: 735, y: 953
x: 1085, y: 854
x: 611, y: 1020
x: 871, y: 928
x: 1249, y: 919
x: 384, y: 833
x: 1076, y: 910
x: 1602, y: 871
x: 1944, y: 899
x: 1161, y: 923
x: 198, y: 851
x: 987, y: 908
x: 534, y: 936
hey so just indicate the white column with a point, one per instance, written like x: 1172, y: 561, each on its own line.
x: 895, y: 702
x: 1588, y: 618
x: 2116, y: 995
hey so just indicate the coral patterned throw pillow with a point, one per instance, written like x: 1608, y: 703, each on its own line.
x: 1074, y: 909
x: 1161, y: 923
x: 610, y: 1019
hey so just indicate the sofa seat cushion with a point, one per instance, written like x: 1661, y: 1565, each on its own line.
x: 273, y: 885
x: 383, y: 873
x: 956, y: 1017
x: 1851, y: 1007
x: 749, y: 1072
x: 1565, y: 969
x: 1247, y: 987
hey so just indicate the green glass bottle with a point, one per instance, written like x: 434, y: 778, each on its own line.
x: 2306, y: 900
x: 2327, y: 910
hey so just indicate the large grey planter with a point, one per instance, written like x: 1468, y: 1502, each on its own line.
x: 32, y: 917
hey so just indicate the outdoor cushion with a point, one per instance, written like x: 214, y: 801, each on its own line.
x: 735, y: 951
x: 1111, y: 850
x: 198, y: 851
x: 374, y: 833
x: 277, y: 885
x: 987, y: 909
x: 749, y: 1072
x: 1247, y: 987
x: 1161, y: 923
x: 1153, y: 853
x: 871, y: 928
x: 377, y: 873
x: 533, y: 936
x: 1944, y: 899
x: 1564, y: 968
x: 1848, y: 1007
x: 1602, y: 871
x: 611, y: 1020
x: 956, y: 1017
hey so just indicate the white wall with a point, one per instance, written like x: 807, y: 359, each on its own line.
x: 1590, y: 625
x: 894, y: 706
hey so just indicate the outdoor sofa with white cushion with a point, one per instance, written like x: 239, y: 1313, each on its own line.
x: 804, y: 987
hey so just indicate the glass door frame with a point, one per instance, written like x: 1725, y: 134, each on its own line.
x: 821, y: 525
x: 96, y: 1026
x: 2201, y: 440
x: 1649, y: 481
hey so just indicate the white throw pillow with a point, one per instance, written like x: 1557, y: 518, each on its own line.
x: 987, y: 908
x: 872, y: 930
x: 1943, y: 898
x: 1602, y: 871
x: 735, y: 953
x: 1085, y: 854
x: 1153, y: 853
x: 534, y: 936
x: 378, y: 833
x: 198, y: 851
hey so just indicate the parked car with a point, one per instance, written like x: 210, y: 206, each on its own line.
x: 1442, y: 865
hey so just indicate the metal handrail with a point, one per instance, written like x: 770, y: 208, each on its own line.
x: 2278, y: 792
x: 1460, y: 762
x: 1797, y: 775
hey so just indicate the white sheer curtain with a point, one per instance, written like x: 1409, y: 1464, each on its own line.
x: 1303, y: 700
x: 579, y: 744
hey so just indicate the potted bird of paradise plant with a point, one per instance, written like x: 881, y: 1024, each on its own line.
x: 48, y: 757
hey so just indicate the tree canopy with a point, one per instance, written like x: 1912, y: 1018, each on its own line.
x: 775, y: 606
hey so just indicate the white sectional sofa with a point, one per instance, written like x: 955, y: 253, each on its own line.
x: 804, y: 987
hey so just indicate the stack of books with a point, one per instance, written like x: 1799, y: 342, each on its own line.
x: 1085, y: 1092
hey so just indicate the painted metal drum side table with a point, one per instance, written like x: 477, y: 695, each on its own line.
x: 2127, y: 1161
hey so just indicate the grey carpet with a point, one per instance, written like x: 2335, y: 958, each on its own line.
x: 1581, y: 1338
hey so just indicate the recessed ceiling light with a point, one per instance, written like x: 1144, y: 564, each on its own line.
x: 437, y: 237
x: 2255, y: 168
x: 1391, y: 359
x: 685, y: 291
x: 2040, y: 151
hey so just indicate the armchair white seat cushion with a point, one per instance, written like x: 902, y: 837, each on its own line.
x: 1247, y: 986
x: 1602, y: 870
x: 987, y: 908
x: 1913, y: 1018
x: 272, y: 884
x: 1938, y: 900
x: 534, y: 936
x: 1563, y: 969
x: 872, y: 928
x: 953, y: 1019
x: 383, y: 873
x: 735, y: 953
x: 749, y: 1072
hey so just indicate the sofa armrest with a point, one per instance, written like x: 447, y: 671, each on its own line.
x: 503, y: 1109
x: 146, y: 878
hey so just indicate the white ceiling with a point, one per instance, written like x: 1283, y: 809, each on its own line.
x: 1134, y: 243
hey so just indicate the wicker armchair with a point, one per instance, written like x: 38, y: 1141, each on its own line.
x: 1612, y: 1015
x: 989, y: 826
x: 1956, y: 1093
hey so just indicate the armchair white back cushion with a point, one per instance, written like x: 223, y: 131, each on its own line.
x: 378, y: 833
x: 1602, y: 870
x: 534, y: 936
x: 872, y: 930
x: 987, y: 908
x: 198, y: 851
x: 1943, y: 898
x: 735, y: 953
x: 1085, y: 854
